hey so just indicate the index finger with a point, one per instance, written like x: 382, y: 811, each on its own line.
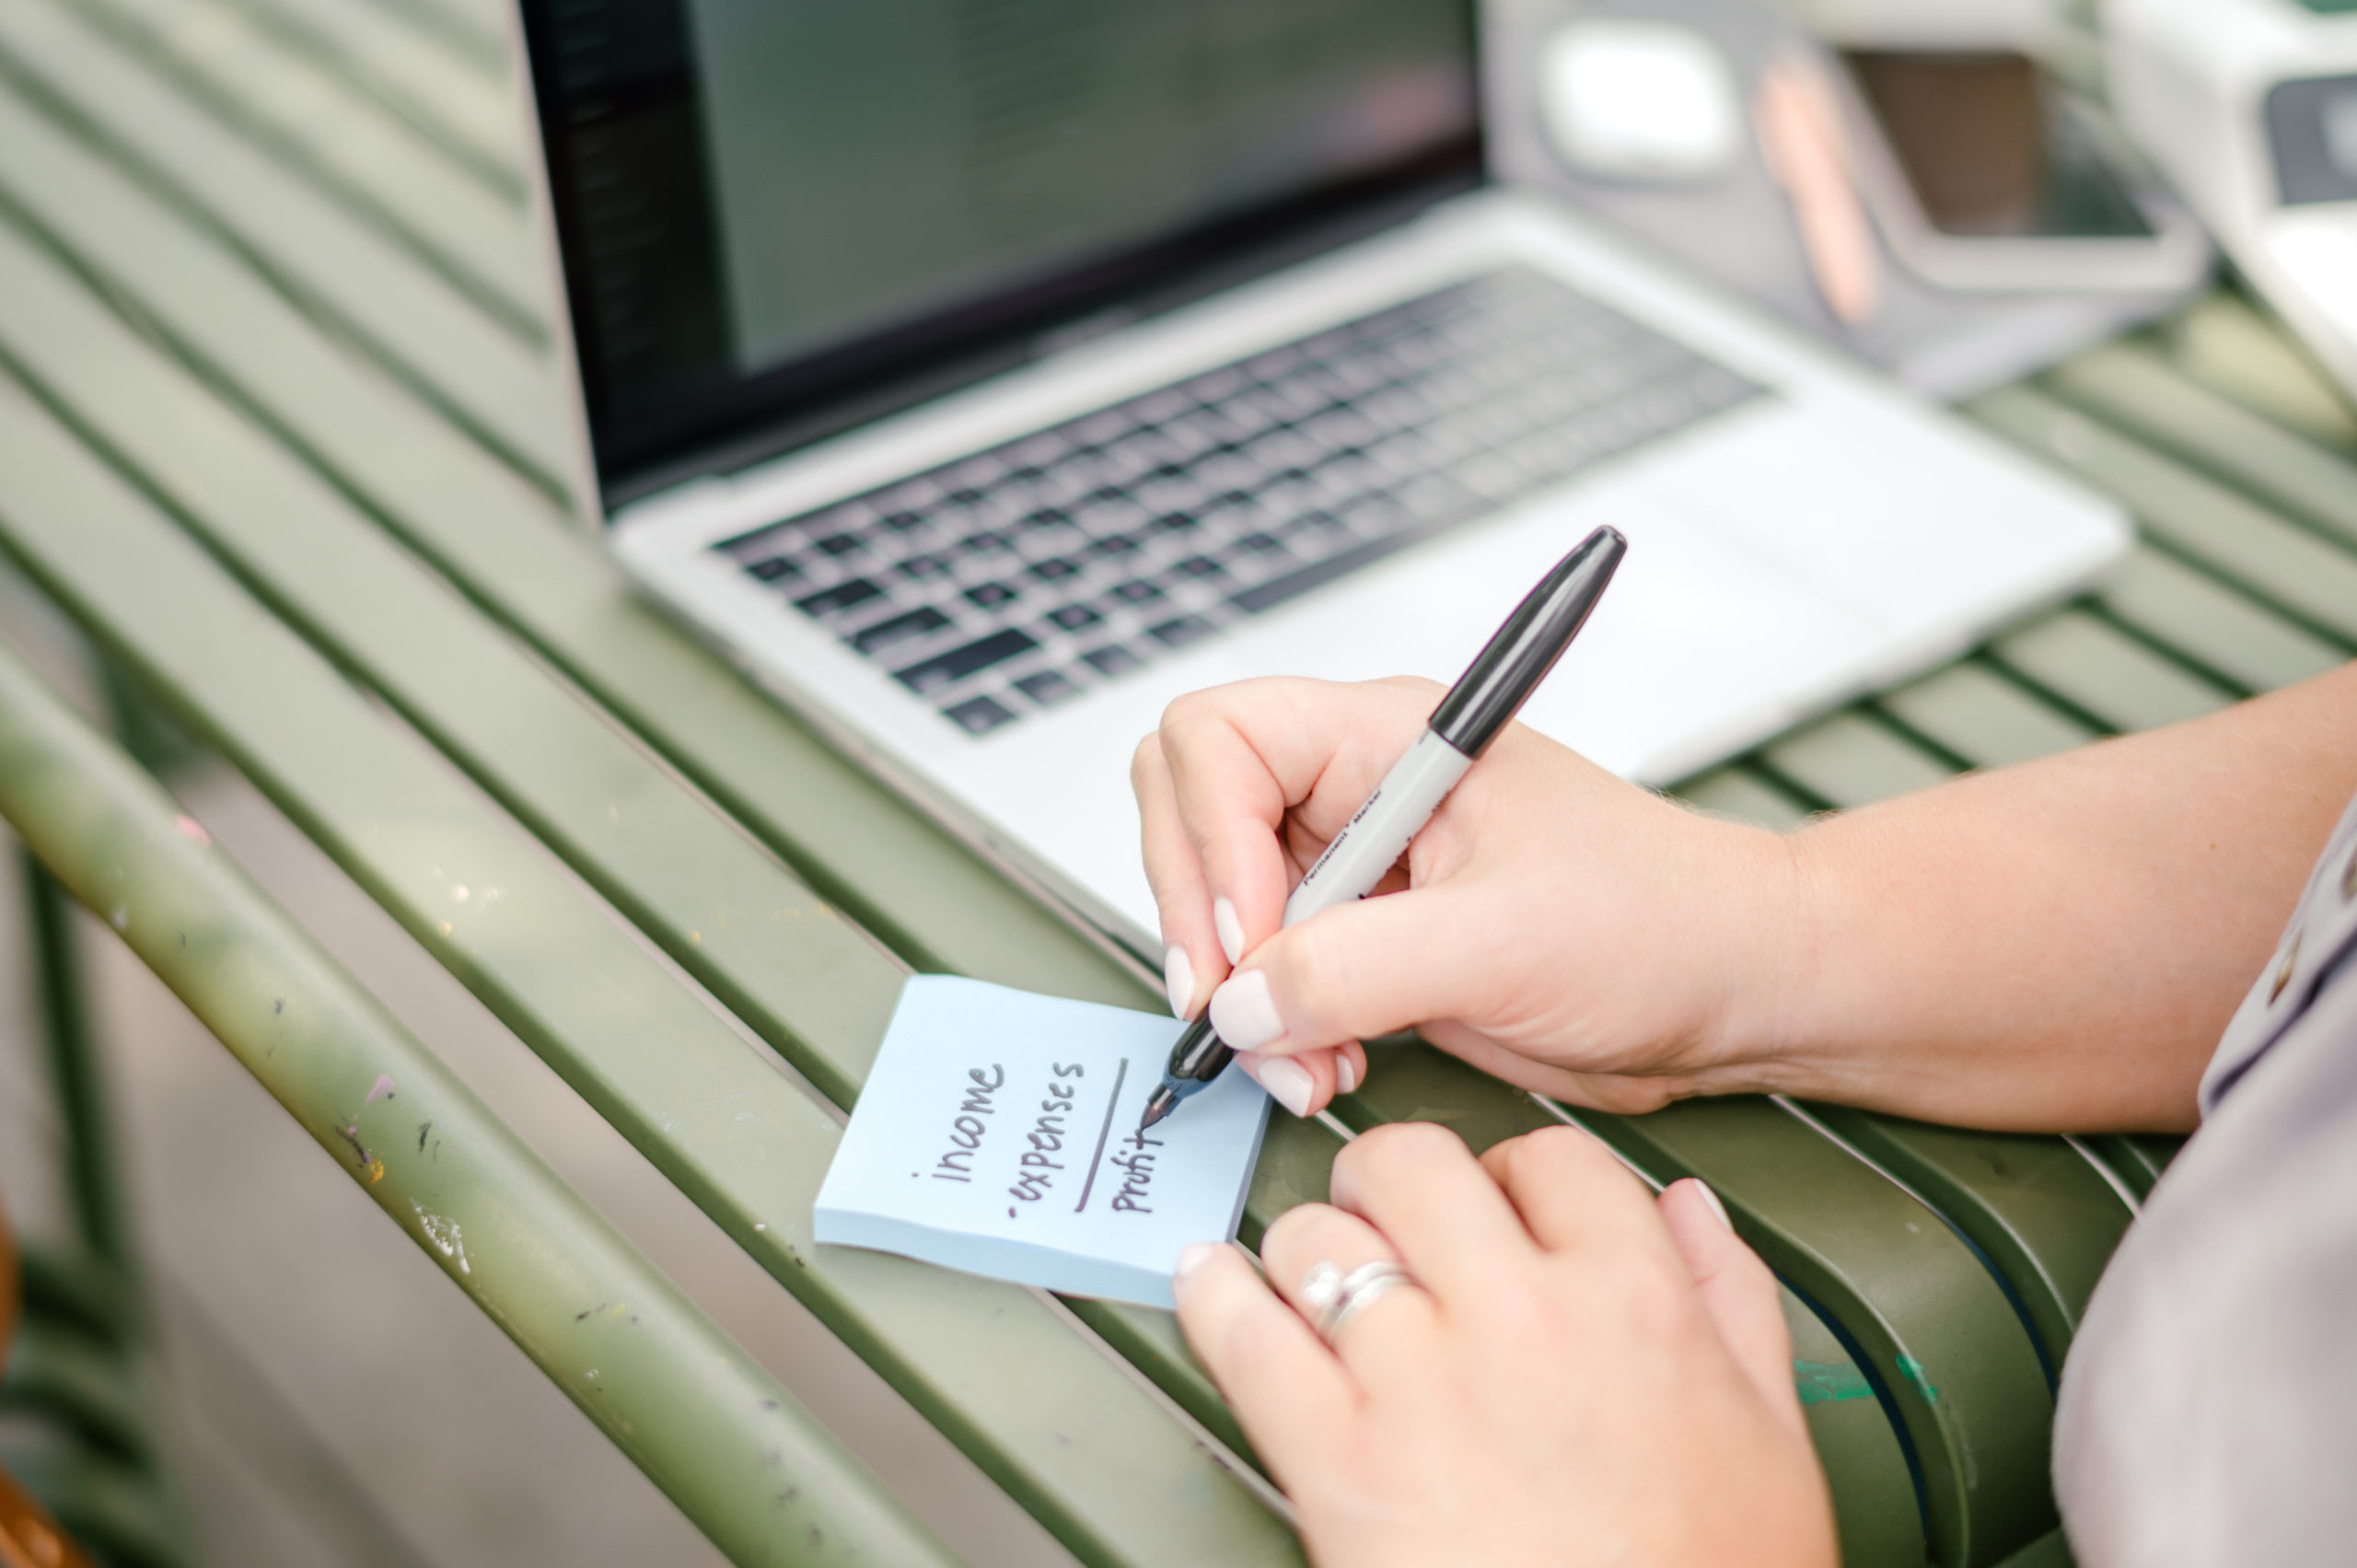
x: 1192, y: 959
x: 1240, y: 757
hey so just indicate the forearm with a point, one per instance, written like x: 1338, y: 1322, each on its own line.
x: 2055, y: 945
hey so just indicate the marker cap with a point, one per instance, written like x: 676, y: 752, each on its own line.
x: 1517, y: 658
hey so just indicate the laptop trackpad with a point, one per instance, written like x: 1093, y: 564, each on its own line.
x: 1701, y: 648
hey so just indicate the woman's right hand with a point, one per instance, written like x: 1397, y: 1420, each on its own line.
x: 1552, y: 925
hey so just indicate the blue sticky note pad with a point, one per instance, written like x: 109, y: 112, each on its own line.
x: 998, y: 1133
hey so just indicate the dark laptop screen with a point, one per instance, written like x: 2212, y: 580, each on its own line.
x: 768, y: 205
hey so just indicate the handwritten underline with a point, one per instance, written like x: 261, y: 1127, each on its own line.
x: 1103, y: 1132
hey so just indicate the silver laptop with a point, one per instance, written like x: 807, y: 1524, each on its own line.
x: 983, y: 374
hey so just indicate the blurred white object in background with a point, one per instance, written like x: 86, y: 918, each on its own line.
x: 2251, y: 106
x: 1639, y: 100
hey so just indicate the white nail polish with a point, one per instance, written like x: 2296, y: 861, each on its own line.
x: 1712, y: 1199
x: 1192, y: 1256
x: 1346, y: 1077
x: 1230, y: 929
x: 1178, y: 979
x: 1243, y: 1012
x: 1288, y: 1083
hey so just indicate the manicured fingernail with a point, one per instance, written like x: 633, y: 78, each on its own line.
x: 1346, y: 1077
x: 1230, y: 929
x: 1716, y: 1207
x: 1287, y: 1082
x: 1178, y: 979
x: 1243, y: 1012
x: 1192, y: 1256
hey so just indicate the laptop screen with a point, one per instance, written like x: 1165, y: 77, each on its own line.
x: 769, y: 206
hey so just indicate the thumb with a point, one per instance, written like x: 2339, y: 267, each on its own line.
x: 1357, y: 970
x: 1738, y: 1292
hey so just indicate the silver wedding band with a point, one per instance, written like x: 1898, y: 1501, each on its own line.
x: 1334, y: 1298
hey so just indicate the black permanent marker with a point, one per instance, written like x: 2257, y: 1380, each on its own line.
x: 1483, y: 702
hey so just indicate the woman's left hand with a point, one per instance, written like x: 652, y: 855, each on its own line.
x: 1580, y: 1374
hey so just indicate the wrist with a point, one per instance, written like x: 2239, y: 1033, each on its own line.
x: 1772, y: 1024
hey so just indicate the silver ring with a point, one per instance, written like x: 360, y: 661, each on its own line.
x: 1334, y: 1298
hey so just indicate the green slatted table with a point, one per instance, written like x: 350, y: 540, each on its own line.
x: 278, y: 431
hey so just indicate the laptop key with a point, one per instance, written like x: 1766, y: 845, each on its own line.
x: 1214, y: 387
x: 1047, y: 687
x: 1097, y: 429
x: 1111, y: 659
x: 916, y: 623
x: 1181, y: 630
x: 777, y: 568
x: 990, y: 595
x: 945, y: 669
x: 848, y: 594
x: 979, y: 715
x: 1074, y: 617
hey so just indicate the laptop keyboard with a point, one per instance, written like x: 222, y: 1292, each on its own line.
x: 1012, y: 580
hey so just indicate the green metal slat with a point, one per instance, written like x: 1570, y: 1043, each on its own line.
x: 2108, y: 674
x: 2137, y: 1158
x: 106, y: 1504
x: 683, y: 873
x: 486, y: 17
x: 464, y: 104
x: 93, y: 1170
x: 1936, y: 1329
x: 87, y: 1353
x: 706, y: 1421
x: 2223, y: 343
x: 2301, y: 571
x: 330, y: 264
x: 1049, y: 1417
x: 68, y: 1284
x: 2047, y: 1217
x: 2213, y: 625
x: 1873, y: 1497
x: 1876, y: 1521
x: 1739, y: 793
x: 1979, y: 715
x: 2049, y: 1551
x: 1850, y: 759
x: 74, y: 1380
x: 2131, y: 386
x: 373, y: 163
x: 475, y: 29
